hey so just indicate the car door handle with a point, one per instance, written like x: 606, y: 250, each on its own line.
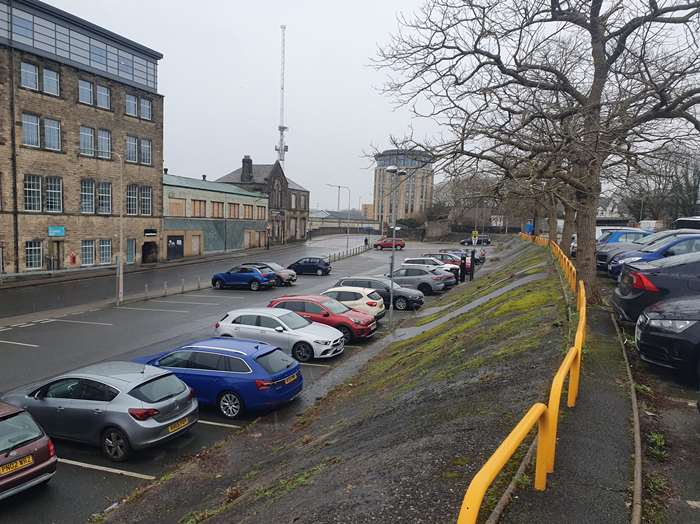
x: 60, y: 408
x: 97, y: 411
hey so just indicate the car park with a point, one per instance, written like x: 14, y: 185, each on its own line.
x: 235, y: 376
x: 481, y: 240
x: 283, y: 276
x: 604, y: 254
x: 27, y: 454
x: 642, y: 284
x: 404, y: 298
x: 431, y: 263
x: 119, y: 406
x: 297, y: 336
x: 389, y: 243
x: 454, y: 258
x: 366, y: 300
x: 667, y: 334
x: 669, y: 247
x: 242, y: 276
x: 599, y: 232
x: 311, y: 266
x: 427, y: 281
x: 325, y: 310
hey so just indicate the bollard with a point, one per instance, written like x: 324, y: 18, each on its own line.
x: 182, y: 287
x: 145, y: 291
x: 165, y: 288
x: 199, y: 282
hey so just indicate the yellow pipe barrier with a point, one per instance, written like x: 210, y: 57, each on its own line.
x: 545, y: 416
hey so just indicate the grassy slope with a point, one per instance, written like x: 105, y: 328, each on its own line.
x: 397, y: 443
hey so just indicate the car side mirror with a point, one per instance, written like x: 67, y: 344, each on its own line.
x: 669, y: 253
x: 326, y: 314
x: 40, y: 394
x: 279, y: 329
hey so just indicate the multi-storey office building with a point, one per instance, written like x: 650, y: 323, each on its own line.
x: 81, y: 142
x: 411, y: 194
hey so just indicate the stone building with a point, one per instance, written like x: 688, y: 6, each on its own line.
x: 289, y: 202
x: 412, y: 194
x: 81, y: 141
x: 202, y: 217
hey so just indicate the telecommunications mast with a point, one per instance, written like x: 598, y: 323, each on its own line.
x: 282, y: 148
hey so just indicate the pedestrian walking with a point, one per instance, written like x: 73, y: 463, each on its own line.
x: 366, y: 242
x: 472, y: 265
x: 463, y: 268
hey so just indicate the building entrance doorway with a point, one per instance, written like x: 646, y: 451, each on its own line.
x: 54, y: 260
x: 149, y: 253
x: 176, y: 246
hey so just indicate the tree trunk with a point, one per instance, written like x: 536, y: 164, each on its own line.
x: 552, y: 218
x: 569, y: 228
x: 587, y: 203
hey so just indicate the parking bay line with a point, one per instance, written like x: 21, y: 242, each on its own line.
x: 182, y: 302
x: 314, y: 365
x: 220, y: 424
x: 78, y: 322
x: 106, y: 469
x: 152, y: 309
x: 18, y: 344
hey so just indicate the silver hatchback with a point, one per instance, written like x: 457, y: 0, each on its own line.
x: 119, y: 406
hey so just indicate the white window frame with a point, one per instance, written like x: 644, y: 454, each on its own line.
x: 46, y: 129
x: 36, y: 245
x: 84, y: 133
x: 104, y: 196
x: 35, y: 193
x: 58, y: 81
x: 102, y: 245
x: 132, y: 199
x: 81, y: 90
x: 102, y: 153
x: 54, y: 194
x: 84, y: 193
x: 136, y: 105
x: 35, y: 74
x: 135, y: 143
x: 109, y: 96
x: 146, y: 199
x: 146, y: 102
x: 130, y: 251
x: 146, y: 156
x: 87, y: 246
x: 25, y: 129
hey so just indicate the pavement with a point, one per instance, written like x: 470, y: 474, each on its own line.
x: 57, y: 340
x: 594, y: 454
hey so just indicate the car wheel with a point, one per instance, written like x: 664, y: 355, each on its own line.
x: 400, y: 303
x: 401, y: 248
x: 347, y: 334
x: 302, y: 352
x: 254, y: 285
x: 381, y: 248
x: 319, y: 272
x: 425, y: 289
x: 218, y: 284
x: 279, y: 282
x: 115, y: 445
x: 230, y: 404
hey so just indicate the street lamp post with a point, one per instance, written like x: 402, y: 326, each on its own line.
x: 394, y: 171
x: 120, y: 262
x: 347, y: 214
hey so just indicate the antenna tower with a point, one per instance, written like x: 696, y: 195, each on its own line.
x: 282, y: 148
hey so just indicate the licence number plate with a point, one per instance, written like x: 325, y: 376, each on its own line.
x: 290, y: 379
x: 16, y: 465
x: 175, y: 426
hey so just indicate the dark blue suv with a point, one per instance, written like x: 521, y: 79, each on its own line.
x: 244, y: 276
x: 311, y: 266
x: 676, y: 246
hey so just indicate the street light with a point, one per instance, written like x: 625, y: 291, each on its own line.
x: 120, y: 262
x: 347, y: 214
x: 394, y: 171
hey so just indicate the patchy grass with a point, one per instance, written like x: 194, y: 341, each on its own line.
x: 656, y: 445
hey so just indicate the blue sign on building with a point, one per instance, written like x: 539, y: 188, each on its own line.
x: 57, y: 231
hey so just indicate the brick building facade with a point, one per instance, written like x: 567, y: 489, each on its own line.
x: 77, y: 104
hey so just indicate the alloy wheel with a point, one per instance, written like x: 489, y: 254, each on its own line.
x: 115, y: 445
x: 254, y: 285
x: 400, y: 303
x: 319, y: 272
x: 230, y: 405
x: 302, y: 352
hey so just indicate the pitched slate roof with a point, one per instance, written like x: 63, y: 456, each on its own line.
x: 205, y: 185
x: 260, y: 174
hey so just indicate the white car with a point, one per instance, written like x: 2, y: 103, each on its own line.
x: 360, y: 299
x: 432, y: 263
x: 293, y: 334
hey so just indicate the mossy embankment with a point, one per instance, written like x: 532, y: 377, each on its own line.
x: 396, y: 443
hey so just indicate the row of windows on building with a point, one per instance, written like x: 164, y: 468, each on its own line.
x: 46, y: 194
x: 90, y: 93
x: 177, y: 207
x: 92, y: 252
x: 45, y: 133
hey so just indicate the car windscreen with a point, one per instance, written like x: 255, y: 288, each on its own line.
x: 650, y: 239
x: 336, y: 307
x: 657, y: 245
x: 274, y: 267
x: 294, y: 321
x: 17, y: 430
x: 275, y: 361
x: 678, y: 260
x: 158, y: 389
x: 604, y: 237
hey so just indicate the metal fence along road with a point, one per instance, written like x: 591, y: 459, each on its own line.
x: 545, y: 416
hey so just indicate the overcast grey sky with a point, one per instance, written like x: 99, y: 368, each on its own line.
x: 220, y: 78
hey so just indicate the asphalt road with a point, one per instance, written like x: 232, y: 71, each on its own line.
x: 54, y: 344
x: 44, y: 295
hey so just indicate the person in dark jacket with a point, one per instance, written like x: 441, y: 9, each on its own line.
x: 463, y: 268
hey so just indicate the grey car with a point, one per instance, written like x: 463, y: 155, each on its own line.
x: 283, y: 276
x: 118, y: 406
x: 424, y: 280
x: 404, y: 298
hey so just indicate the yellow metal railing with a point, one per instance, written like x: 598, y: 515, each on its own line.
x: 544, y: 416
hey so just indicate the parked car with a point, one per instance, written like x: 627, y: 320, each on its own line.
x: 295, y: 335
x: 620, y: 235
x: 404, y: 298
x: 27, y: 454
x: 360, y: 299
x: 481, y: 240
x: 242, y: 276
x: 427, y: 281
x: 119, y: 406
x: 283, y: 276
x: 668, y: 334
x: 605, y: 253
x: 450, y: 258
x: 233, y: 375
x: 663, y: 249
x: 325, y: 310
x: 599, y: 232
x: 388, y: 243
x: 432, y: 263
x: 311, y: 266
x: 642, y: 284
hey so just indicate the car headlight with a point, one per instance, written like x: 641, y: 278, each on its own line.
x: 323, y: 342
x: 628, y: 260
x: 674, y: 326
x: 356, y: 322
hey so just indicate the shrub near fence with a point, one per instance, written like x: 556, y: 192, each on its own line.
x: 545, y: 416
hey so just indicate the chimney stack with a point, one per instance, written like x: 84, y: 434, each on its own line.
x: 247, y: 169
x: 165, y: 170
x: 204, y: 177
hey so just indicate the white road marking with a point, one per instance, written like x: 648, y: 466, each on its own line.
x: 314, y: 365
x: 220, y: 424
x: 106, y: 469
x: 80, y: 322
x: 182, y: 302
x: 151, y: 309
x: 187, y: 295
x: 18, y: 344
x: 5, y: 329
x: 16, y: 325
x: 25, y: 325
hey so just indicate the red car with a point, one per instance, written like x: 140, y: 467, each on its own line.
x: 27, y: 455
x: 325, y: 310
x: 387, y: 243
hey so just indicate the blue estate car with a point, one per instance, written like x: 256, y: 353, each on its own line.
x: 311, y: 265
x: 233, y: 375
x: 621, y: 235
x: 244, y: 276
x: 664, y: 248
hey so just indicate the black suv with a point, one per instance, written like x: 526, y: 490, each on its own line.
x: 404, y: 298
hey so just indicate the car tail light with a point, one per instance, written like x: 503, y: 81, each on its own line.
x: 193, y: 394
x: 640, y: 281
x: 437, y: 277
x: 263, y: 384
x: 51, y: 448
x: 143, y: 413
x: 371, y: 303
